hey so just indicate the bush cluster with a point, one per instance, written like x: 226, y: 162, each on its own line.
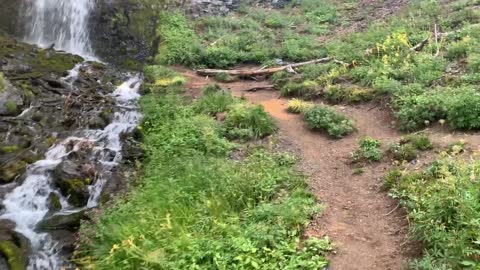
x: 324, y: 118
x: 408, y: 147
x: 442, y: 202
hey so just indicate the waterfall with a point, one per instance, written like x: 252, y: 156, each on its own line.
x: 62, y: 23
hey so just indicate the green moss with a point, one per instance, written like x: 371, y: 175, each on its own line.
x: 9, y: 149
x: 13, y: 255
x: 12, y: 107
x: 54, y: 202
x: 11, y: 170
x: 75, y: 189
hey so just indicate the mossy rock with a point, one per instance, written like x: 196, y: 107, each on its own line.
x: 62, y: 221
x: 9, y: 171
x: 14, y: 255
x: 72, y: 183
x: 54, y: 202
x: 14, y: 247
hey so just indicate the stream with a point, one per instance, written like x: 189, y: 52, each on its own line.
x: 63, y: 25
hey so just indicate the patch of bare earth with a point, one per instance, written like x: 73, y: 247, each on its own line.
x: 367, y: 227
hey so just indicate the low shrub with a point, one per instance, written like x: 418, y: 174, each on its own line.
x: 408, y: 147
x: 352, y: 94
x: 369, y: 150
x: 306, y: 89
x: 420, y: 141
x: 224, y: 77
x: 246, y: 121
x: 298, y: 106
x: 464, y: 110
x: 321, y: 117
x: 443, y: 209
x: 214, y: 101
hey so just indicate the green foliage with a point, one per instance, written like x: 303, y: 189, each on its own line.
x: 178, y: 42
x: 246, y: 121
x: 298, y: 106
x: 464, y: 110
x: 369, y: 150
x: 352, y: 94
x: 443, y: 207
x: 306, y: 89
x: 419, y: 141
x: 214, y: 101
x: 408, y: 147
x: 197, y: 209
x: 326, y: 119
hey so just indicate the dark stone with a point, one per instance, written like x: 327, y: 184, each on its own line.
x: 14, y: 247
x: 72, y: 183
x: 62, y: 221
x: 11, y: 99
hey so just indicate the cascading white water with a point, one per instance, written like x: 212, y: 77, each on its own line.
x: 27, y: 205
x: 62, y: 23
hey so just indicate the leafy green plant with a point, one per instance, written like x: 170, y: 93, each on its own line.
x: 321, y: 117
x: 408, y: 147
x: 247, y: 121
x: 214, y: 101
x: 443, y: 208
x: 369, y: 150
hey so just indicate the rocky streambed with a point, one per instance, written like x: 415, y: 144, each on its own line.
x: 65, y: 127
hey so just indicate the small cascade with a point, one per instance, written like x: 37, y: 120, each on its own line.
x: 61, y: 23
x: 27, y: 205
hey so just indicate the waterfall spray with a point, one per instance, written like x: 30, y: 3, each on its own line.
x: 63, y: 24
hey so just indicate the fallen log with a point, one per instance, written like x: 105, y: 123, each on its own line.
x: 266, y: 71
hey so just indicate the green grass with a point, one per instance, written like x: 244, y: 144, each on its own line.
x: 409, y: 146
x: 443, y: 210
x: 246, y: 121
x: 194, y: 208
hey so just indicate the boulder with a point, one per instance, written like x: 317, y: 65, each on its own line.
x: 68, y: 177
x: 62, y: 221
x: 14, y: 247
x: 11, y: 98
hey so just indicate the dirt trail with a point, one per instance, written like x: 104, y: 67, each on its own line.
x: 358, y: 216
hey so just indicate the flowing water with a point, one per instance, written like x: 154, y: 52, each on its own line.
x: 61, y: 23
x: 64, y: 23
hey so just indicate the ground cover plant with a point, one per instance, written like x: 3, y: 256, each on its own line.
x: 442, y: 202
x: 194, y: 208
x: 324, y: 118
x: 409, y: 146
x: 369, y: 150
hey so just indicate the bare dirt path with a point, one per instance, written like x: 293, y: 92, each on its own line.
x: 358, y: 216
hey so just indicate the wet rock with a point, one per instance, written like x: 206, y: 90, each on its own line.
x: 14, y: 247
x: 62, y: 221
x: 97, y: 122
x: 72, y: 183
x: 11, y: 99
x: 66, y: 239
x: 11, y: 167
x: 132, y: 151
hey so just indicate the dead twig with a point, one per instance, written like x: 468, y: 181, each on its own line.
x: 389, y: 213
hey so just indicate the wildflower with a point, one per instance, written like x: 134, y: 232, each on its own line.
x: 114, y: 248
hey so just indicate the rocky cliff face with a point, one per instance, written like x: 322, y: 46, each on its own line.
x: 123, y: 31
